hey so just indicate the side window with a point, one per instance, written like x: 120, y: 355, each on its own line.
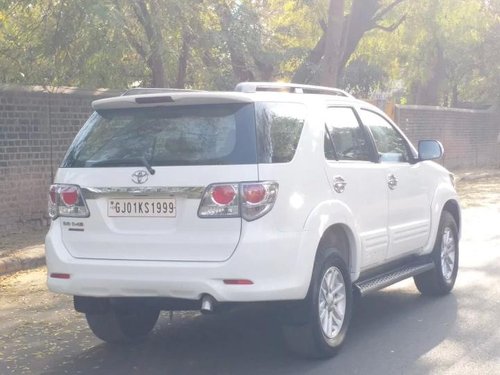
x: 329, y: 150
x: 279, y: 126
x: 348, y: 138
x: 390, y: 144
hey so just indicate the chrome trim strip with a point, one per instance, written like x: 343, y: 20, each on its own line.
x: 190, y: 192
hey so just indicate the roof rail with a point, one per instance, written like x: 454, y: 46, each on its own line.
x: 150, y: 90
x: 295, y: 88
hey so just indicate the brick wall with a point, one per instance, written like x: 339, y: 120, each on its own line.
x: 471, y: 138
x: 29, y: 117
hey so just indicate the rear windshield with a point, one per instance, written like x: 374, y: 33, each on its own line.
x: 215, y: 134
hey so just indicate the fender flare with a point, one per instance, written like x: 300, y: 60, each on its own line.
x: 444, y: 194
x: 322, y: 217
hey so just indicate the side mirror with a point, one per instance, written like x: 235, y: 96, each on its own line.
x: 430, y: 150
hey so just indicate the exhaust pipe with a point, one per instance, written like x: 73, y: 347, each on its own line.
x: 208, y: 304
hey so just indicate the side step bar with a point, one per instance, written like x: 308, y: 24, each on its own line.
x: 388, y: 278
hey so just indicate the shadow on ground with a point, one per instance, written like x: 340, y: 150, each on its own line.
x: 389, y: 330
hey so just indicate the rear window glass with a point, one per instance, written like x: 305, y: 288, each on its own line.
x: 215, y: 134
x: 279, y: 126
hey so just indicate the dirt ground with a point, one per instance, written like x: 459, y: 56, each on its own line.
x: 21, y: 241
x: 481, y: 192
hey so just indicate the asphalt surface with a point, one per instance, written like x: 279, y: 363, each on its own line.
x: 394, y: 331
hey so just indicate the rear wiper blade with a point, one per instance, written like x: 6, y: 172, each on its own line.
x: 110, y: 162
x: 148, y: 166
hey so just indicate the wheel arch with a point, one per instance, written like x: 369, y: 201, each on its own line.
x: 344, y: 234
x: 453, y: 208
x: 331, y: 218
x: 445, y: 199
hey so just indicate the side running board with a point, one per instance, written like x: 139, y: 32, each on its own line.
x: 391, y: 277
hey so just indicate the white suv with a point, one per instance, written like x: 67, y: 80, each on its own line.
x: 171, y: 200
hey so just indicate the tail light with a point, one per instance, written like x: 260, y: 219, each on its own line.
x: 257, y: 199
x: 249, y: 200
x: 220, y: 200
x: 67, y: 201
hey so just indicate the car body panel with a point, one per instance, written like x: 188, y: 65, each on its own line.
x: 187, y: 257
x: 152, y: 238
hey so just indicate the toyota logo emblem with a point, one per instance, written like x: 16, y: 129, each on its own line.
x: 140, y: 177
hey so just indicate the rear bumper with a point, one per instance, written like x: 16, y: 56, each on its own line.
x: 276, y: 263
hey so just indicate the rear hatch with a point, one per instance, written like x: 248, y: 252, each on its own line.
x: 143, y: 169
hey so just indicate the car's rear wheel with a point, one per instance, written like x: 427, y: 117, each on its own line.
x: 441, y: 279
x: 122, y: 325
x: 326, y: 312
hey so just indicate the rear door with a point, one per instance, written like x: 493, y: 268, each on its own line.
x: 357, y: 181
x: 143, y: 172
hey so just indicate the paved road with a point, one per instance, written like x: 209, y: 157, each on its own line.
x: 395, y: 331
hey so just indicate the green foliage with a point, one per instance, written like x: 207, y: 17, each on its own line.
x: 445, y: 51
x: 60, y: 43
x: 362, y: 78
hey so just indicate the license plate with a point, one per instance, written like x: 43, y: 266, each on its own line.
x: 141, y: 207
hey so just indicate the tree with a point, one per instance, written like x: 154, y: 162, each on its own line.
x: 431, y: 52
x: 446, y: 53
x: 150, y: 44
x: 362, y: 78
x: 55, y: 43
x: 341, y: 35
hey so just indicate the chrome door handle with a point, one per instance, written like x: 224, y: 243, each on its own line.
x: 392, y: 182
x: 339, y: 184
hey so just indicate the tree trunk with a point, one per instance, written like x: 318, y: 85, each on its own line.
x: 238, y: 61
x: 326, y: 62
x: 330, y: 65
x: 309, y: 68
x: 265, y: 69
x: 428, y: 92
x: 183, y: 59
x: 155, y: 41
x: 358, y: 22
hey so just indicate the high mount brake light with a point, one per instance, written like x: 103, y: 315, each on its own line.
x: 67, y: 201
x: 249, y: 200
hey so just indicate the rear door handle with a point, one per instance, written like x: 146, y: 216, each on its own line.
x: 339, y: 184
x: 392, y: 181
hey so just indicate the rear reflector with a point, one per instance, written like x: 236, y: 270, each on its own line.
x: 60, y: 276
x: 238, y: 282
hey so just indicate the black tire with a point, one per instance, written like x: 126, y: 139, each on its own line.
x: 437, y: 282
x: 123, y: 325
x: 304, y: 335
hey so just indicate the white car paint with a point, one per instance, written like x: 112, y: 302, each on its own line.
x: 187, y: 257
